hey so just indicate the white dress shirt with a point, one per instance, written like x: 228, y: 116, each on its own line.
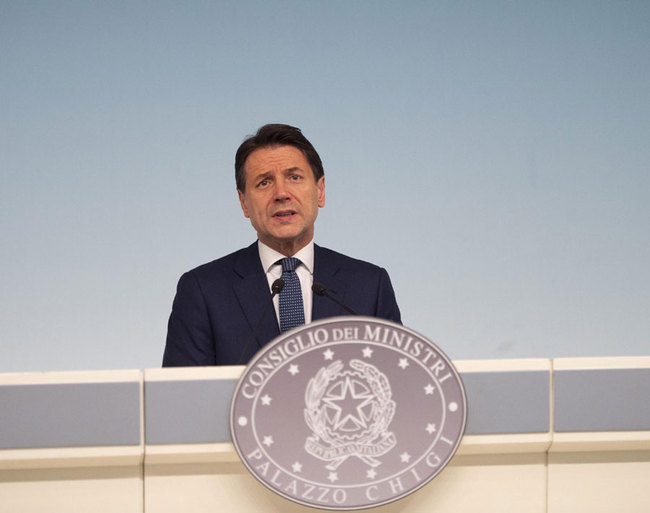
x: 305, y: 273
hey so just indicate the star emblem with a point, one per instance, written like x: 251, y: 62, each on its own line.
x: 367, y: 352
x: 266, y: 399
x: 333, y: 477
x: 403, y: 363
x: 431, y: 428
x: 349, y: 405
x: 296, y: 467
x: 405, y: 457
x: 428, y: 390
x: 293, y: 369
x: 268, y: 441
x: 329, y: 354
x: 371, y: 474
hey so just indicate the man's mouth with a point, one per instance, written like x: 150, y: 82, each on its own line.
x: 284, y: 213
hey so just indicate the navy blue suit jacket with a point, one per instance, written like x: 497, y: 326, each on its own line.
x: 218, y: 305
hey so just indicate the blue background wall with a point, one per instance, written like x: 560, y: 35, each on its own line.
x: 493, y: 156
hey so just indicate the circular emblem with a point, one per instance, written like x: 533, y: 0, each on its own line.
x: 348, y: 413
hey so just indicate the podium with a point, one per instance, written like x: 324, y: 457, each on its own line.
x: 556, y: 436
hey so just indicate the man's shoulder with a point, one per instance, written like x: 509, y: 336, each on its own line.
x: 332, y: 257
x: 227, y: 263
x: 364, y: 286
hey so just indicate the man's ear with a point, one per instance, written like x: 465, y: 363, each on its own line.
x: 321, y: 191
x: 242, y: 201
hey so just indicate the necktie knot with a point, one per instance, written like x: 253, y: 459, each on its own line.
x: 289, y: 264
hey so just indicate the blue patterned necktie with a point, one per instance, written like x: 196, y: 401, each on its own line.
x: 292, y: 312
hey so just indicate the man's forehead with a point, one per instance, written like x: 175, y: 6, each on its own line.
x: 286, y: 171
x: 275, y: 158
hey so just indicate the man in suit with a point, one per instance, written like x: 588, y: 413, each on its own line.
x: 220, y: 305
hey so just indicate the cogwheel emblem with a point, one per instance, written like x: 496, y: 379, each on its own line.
x: 349, y: 411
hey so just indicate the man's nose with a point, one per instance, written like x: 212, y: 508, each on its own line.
x: 281, y: 192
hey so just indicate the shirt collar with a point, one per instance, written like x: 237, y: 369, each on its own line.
x: 269, y: 256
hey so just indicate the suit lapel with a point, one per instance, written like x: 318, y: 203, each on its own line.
x: 252, y: 292
x: 325, y: 270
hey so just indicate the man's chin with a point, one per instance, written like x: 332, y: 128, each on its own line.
x: 283, y: 241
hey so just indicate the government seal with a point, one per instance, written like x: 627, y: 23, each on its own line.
x: 348, y: 413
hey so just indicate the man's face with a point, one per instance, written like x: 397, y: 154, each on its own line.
x: 282, y: 197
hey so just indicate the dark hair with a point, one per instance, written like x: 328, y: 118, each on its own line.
x: 276, y: 135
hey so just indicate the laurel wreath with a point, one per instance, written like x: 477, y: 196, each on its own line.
x: 381, y: 388
x: 315, y: 415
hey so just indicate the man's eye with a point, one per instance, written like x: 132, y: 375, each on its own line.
x: 263, y: 183
x: 295, y: 177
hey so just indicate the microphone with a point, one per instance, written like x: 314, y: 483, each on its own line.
x: 276, y: 288
x: 320, y: 290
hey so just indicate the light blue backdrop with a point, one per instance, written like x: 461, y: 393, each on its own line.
x: 493, y: 156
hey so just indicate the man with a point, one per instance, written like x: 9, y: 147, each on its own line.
x: 221, y: 307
